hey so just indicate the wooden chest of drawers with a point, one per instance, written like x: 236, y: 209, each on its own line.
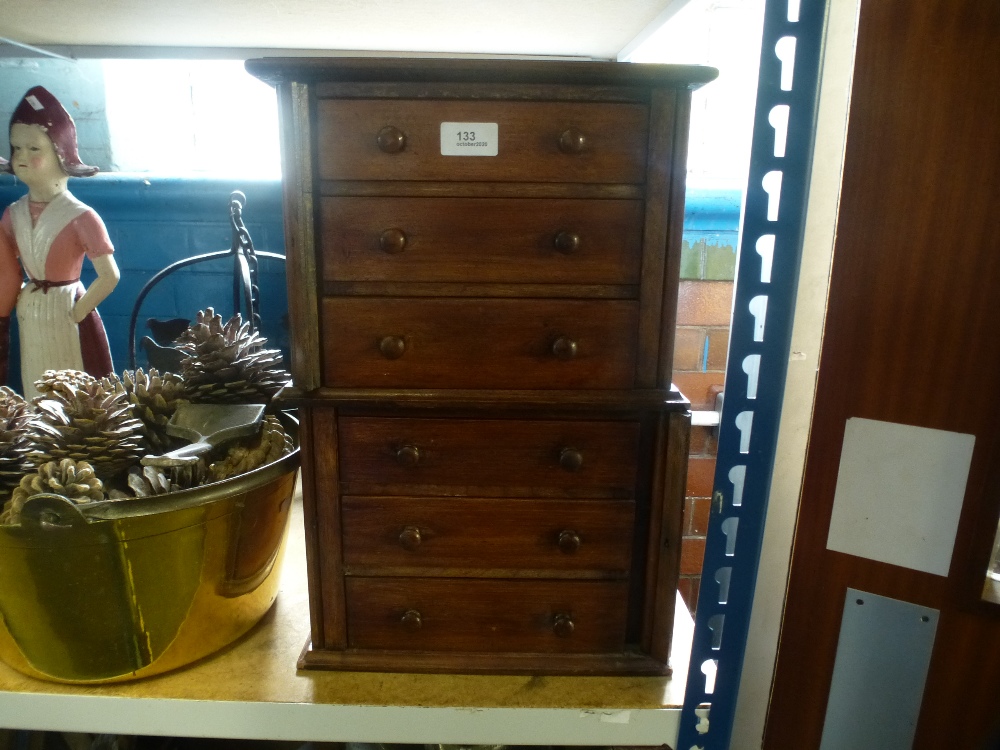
x: 483, y: 263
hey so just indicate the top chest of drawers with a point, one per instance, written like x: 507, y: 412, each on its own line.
x: 552, y: 263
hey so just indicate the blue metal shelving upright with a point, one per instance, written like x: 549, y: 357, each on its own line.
x: 767, y: 276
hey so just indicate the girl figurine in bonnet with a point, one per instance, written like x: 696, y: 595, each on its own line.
x: 47, y: 233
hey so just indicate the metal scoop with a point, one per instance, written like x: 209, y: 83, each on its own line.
x: 206, y: 426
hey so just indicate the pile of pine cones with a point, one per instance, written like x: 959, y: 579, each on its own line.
x: 83, y: 438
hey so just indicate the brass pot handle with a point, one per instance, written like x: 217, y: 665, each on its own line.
x: 391, y: 140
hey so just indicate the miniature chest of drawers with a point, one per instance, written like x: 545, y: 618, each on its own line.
x: 482, y: 272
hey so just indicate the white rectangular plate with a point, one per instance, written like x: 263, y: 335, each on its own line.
x: 470, y: 139
x: 899, y: 494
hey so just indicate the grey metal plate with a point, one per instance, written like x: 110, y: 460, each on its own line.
x: 879, y: 674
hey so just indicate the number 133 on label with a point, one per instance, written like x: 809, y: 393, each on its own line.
x: 469, y: 138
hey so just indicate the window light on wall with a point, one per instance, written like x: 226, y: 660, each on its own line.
x: 726, y: 35
x: 205, y: 118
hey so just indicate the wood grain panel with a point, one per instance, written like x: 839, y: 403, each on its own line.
x: 625, y: 663
x: 529, y: 135
x: 476, y: 240
x: 322, y: 514
x: 297, y: 203
x: 478, y: 343
x: 486, y: 615
x: 481, y: 533
x: 910, y: 338
x: 466, y: 453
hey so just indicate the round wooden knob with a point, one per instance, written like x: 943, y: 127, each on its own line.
x: 392, y: 347
x: 567, y: 242
x: 391, y: 140
x: 411, y: 620
x: 392, y: 241
x: 562, y: 625
x: 408, y: 455
x: 572, y: 141
x: 564, y: 348
x: 571, y: 459
x: 409, y: 538
x: 569, y: 541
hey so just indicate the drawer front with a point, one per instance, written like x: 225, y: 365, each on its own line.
x: 481, y: 240
x: 389, y: 139
x: 384, y: 342
x: 478, y: 533
x: 387, y: 455
x: 486, y: 615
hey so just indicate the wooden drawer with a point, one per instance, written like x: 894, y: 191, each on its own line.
x: 443, y: 614
x: 477, y: 533
x: 529, y: 136
x: 378, y: 342
x: 405, y: 456
x: 481, y: 240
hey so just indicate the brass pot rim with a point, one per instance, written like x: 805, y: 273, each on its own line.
x: 195, y: 499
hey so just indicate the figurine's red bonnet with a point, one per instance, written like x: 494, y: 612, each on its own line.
x: 39, y: 107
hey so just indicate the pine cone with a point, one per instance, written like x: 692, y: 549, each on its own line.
x: 150, y: 481
x: 87, y: 423
x: 56, y: 383
x: 16, y: 416
x: 227, y: 363
x: 74, y: 480
x: 154, y: 399
x: 271, y: 444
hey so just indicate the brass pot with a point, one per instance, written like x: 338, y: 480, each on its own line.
x: 120, y: 590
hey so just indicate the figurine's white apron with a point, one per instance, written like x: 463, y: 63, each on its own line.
x: 50, y: 339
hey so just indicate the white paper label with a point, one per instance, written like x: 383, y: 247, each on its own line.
x: 469, y: 138
x: 899, y: 494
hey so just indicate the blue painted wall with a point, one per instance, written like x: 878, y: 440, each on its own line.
x: 711, y: 228
x: 154, y: 222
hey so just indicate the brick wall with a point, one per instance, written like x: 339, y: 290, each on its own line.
x: 708, y: 266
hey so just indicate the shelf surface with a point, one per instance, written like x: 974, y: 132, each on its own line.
x: 252, y: 689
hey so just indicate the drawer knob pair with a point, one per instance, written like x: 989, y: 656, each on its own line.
x: 572, y: 141
x: 562, y: 625
x: 571, y: 459
x: 569, y: 541
x: 567, y: 242
x: 391, y: 140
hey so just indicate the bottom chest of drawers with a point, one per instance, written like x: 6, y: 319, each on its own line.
x: 470, y: 543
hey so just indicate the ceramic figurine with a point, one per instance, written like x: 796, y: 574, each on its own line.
x: 47, y: 233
